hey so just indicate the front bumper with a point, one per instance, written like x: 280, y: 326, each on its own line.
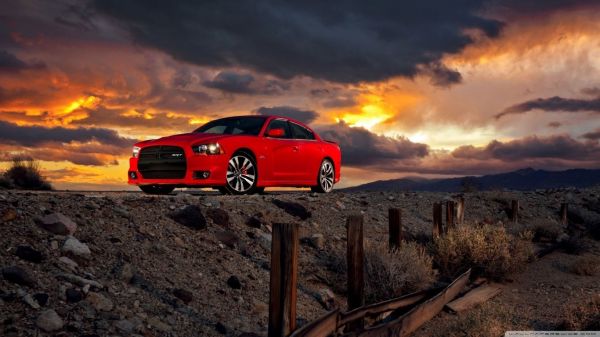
x: 196, y: 167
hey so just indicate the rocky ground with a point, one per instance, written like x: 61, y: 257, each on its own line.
x: 197, y: 264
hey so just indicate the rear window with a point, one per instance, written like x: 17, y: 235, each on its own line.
x: 300, y: 132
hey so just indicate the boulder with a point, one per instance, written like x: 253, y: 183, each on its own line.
x: 76, y: 247
x: 293, y: 208
x: 190, y: 216
x: 18, y: 275
x: 219, y: 216
x: 49, y: 321
x: 29, y: 254
x: 57, y: 223
x: 227, y: 238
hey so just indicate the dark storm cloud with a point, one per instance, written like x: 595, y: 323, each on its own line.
x: 244, y: 83
x: 360, y: 147
x: 594, y: 135
x: 595, y: 91
x: 555, y: 125
x: 441, y: 76
x: 558, y: 147
x: 304, y: 116
x: 553, y: 104
x: 103, y: 116
x: 340, y: 41
x: 38, y: 135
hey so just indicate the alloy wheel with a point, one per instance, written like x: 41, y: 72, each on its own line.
x: 241, y: 174
x: 326, y: 176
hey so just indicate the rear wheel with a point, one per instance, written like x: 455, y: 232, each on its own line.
x: 157, y: 189
x: 325, y: 178
x: 242, y: 174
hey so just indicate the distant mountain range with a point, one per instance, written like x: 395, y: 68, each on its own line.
x: 521, y: 180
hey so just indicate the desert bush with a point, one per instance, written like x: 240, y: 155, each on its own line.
x: 25, y: 173
x: 582, y: 316
x: 490, y: 319
x: 588, y: 265
x: 490, y: 250
x: 388, y: 274
x: 545, y: 229
x: 574, y: 245
x: 391, y: 273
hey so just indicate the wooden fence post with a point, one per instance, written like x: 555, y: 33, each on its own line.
x: 395, y: 227
x: 284, y: 276
x: 460, y: 211
x: 437, y: 219
x: 356, y: 271
x: 449, y: 215
x: 514, y: 211
x: 564, y: 210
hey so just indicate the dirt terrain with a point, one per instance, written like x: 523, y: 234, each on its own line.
x: 197, y: 264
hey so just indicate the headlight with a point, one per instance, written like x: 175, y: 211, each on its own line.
x: 136, y: 151
x: 211, y: 148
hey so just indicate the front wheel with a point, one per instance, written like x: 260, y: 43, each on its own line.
x: 157, y: 189
x: 242, y: 174
x: 325, y: 178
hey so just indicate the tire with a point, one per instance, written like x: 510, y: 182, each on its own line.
x: 242, y: 174
x: 157, y: 189
x: 325, y: 177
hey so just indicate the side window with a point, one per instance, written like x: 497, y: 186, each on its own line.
x: 299, y: 132
x: 280, y: 124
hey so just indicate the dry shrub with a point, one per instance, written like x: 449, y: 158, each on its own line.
x: 25, y: 173
x: 582, y: 316
x: 489, y: 250
x: 546, y: 229
x: 391, y: 273
x: 489, y: 319
x: 586, y: 265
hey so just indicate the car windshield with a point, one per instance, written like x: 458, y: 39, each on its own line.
x: 234, y: 126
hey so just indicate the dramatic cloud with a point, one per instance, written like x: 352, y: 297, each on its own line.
x: 553, y: 104
x: 558, y: 147
x: 340, y: 41
x: 11, y: 63
x: 244, y: 83
x: 304, y: 116
x: 37, y: 135
x: 103, y: 116
x: 362, y: 148
x: 594, y: 135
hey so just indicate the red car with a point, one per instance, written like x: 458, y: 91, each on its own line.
x: 237, y: 155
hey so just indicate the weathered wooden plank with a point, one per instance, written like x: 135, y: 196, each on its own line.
x: 460, y: 211
x: 412, y: 320
x: 284, y: 273
x: 564, y: 210
x: 395, y: 227
x: 356, y: 269
x: 449, y: 215
x: 475, y: 297
x: 514, y: 216
x: 437, y: 219
x: 322, y: 327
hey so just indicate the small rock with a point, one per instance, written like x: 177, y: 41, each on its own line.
x: 229, y: 239
x: 9, y: 214
x: 234, y: 282
x: 264, y: 240
x: 340, y: 205
x: 68, y: 262
x: 80, y: 281
x: 293, y: 208
x: 41, y: 298
x: 184, y: 295
x: 57, y: 223
x: 73, y: 295
x: 125, y: 326
x: 326, y: 298
x: 125, y: 273
x: 178, y: 241
x: 28, y: 299
x: 562, y: 237
x: 54, y: 245
x: 75, y: 247
x: 391, y: 198
x: 29, y: 254
x: 315, y: 240
x: 99, y: 302
x: 254, y: 222
x: 190, y: 216
x: 49, y: 321
x: 158, y: 324
x: 221, y: 328
x: 18, y: 275
x: 219, y: 216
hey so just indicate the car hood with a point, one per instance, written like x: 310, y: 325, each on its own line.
x: 189, y: 138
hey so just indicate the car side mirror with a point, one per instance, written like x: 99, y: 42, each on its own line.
x: 276, y: 133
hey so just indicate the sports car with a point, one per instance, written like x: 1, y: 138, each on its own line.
x: 237, y: 155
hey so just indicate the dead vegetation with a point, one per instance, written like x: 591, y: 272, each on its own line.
x: 24, y: 173
x: 391, y: 273
x: 582, y: 316
x: 588, y: 265
x: 490, y: 250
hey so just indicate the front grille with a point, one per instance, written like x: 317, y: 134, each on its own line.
x: 162, y: 162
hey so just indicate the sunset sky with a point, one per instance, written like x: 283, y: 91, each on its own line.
x: 430, y: 88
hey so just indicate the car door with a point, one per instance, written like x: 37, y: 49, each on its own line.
x: 309, y: 152
x: 283, y: 154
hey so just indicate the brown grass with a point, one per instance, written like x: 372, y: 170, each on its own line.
x: 24, y: 173
x: 488, y: 249
x: 588, y: 265
x: 389, y: 274
x: 582, y: 316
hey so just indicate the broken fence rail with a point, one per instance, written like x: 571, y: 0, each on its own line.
x: 423, y: 306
